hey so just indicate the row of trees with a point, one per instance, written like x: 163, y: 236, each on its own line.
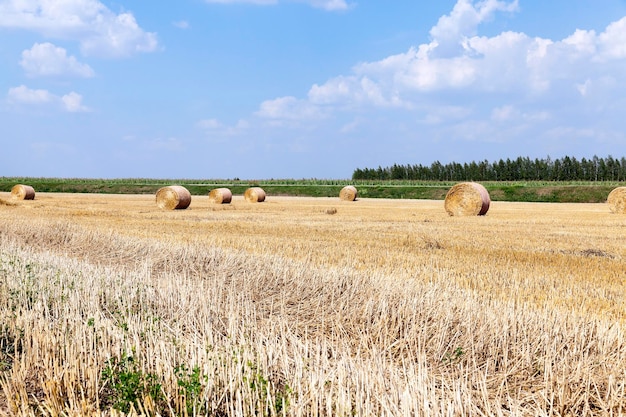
x: 520, y: 169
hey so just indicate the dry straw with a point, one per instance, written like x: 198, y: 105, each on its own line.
x: 220, y: 196
x: 254, y: 195
x: 23, y: 192
x: 173, y: 197
x: 467, y: 199
x: 348, y: 193
x: 617, y: 200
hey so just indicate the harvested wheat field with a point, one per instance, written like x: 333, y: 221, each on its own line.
x: 385, y: 308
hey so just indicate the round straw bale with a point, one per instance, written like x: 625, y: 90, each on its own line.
x: 617, y: 200
x: 173, y: 197
x: 348, y: 193
x: 23, y: 192
x: 220, y: 196
x: 467, y: 199
x: 254, y: 195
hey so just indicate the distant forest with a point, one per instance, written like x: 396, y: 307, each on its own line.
x: 520, y: 169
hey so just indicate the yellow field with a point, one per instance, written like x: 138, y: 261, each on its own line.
x: 567, y: 255
x: 421, y: 305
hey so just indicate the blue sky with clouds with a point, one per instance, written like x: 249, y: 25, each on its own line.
x: 259, y: 89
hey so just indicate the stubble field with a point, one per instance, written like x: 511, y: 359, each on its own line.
x: 310, y: 306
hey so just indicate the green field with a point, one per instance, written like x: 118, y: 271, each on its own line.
x: 540, y: 191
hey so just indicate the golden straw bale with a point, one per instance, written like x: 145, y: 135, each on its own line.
x: 348, y: 193
x: 173, y: 197
x: 220, y: 196
x: 23, y: 192
x: 617, y: 200
x: 254, y: 195
x: 467, y: 199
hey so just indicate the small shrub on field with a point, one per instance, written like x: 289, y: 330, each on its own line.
x: 191, y: 385
x: 127, y: 383
x: 454, y: 356
x: 266, y: 387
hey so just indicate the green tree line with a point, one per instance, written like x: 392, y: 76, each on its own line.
x: 520, y: 169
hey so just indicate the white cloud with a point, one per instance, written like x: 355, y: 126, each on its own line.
x: 355, y: 91
x: 613, y: 41
x: 23, y: 94
x: 181, y: 24
x: 339, y: 88
x: 169, y: 144
x: 459, y: 62
x: 210, y: 124
x: 462, y: 86
x: 259, y: 2
x: 216, y: 129
x: 45, y: 59
x: 438, y: 114
x: 505, y: 114
x: 330, y: 5
x: 289, y: 109
x: 583, y: 42
x: 99, y: 31
x: 71, y: 102
x: 463, y: 21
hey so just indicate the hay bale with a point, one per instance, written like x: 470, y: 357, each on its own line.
x: 254, y: 195
x: 173, y: 197
x: 617, y: 200
x: 220, y: 196
x: 23, y: 192
x: 348, y: 193
x: 467, y: 199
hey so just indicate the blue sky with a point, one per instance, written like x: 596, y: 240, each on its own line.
x: 259, y: 89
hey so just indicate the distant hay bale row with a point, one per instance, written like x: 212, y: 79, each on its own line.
x: 348, y: 193
x: 177, y: 197
x: 463, y: 199
x: 173, y: 197
x: 467, y: 199
x: 254, y: 195
x: 23, y: 192
x: 617, y: 200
